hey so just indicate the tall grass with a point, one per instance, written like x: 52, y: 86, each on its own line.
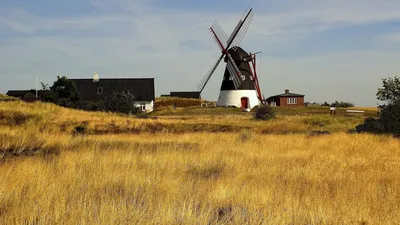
x: 172, y: 170
x: 49, y: 118
x: 206, y: 178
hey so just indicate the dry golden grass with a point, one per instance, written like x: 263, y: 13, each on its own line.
x: 252, y: 175
x: 3, y: 96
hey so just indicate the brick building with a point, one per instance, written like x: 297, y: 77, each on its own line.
x: 286, y: 99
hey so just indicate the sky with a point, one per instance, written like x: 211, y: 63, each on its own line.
x: 326, y: 50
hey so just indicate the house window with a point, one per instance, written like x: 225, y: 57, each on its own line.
x: 291, y: 101
x: 142, y: 106
x: 99, y: 90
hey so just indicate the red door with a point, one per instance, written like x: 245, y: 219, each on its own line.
x: 244, y: 101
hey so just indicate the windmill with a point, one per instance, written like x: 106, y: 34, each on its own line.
x: 240, y: 86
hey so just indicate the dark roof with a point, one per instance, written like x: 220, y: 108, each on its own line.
x: 238, y: 54
x: 142, y: 88
x: 186, y: 94
x: 17, y: 93
x: 287, y: 95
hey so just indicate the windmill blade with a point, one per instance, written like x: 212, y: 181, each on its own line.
x: 242, y: 32
x: 235, y: 31
x: 236, y: 69
x: 236, y: 80
x: 238, y: 27
x: 219, y: 32
x: 235, y: 72
x: 207, y: 77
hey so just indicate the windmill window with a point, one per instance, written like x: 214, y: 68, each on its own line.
x: 100, y: 90
x: 292, y: 101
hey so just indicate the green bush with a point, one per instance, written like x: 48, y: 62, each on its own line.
x: 388, y: 122
x: 265, y: 112
x: 122, y: 102
x: 390, y: 118
x: 90, y: 106
x: 370, y: 125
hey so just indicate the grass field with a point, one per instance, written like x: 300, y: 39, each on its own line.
x: 197, y: 166
x: 2, y: 97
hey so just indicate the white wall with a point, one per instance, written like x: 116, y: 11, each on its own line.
x: 233, y: 98
x: 149, y: 105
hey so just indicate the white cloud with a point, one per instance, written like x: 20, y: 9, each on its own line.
x: 138, y: 39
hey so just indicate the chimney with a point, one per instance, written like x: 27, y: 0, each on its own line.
x: 96, y: 77
x: 286, y: 91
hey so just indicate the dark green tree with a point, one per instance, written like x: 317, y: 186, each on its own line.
x: 389, y: 118
x: 390, y: 91
x: 45, y: 94
x: 342, y: 104
x: 122, y: 102
x: 63, y: 92
x: 65, y: 89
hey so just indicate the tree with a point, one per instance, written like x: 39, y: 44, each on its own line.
x: 390, y: 91
x: 63, y: 92
x: 342, y: 104
x: 325, y: 104
x: 45, y: 94
x: 65, y: 89
x: 389, y: 118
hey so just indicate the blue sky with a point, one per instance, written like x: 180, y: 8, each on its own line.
x: 327, y: 50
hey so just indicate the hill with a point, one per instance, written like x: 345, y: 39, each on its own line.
x: 3, y: 96
x: 222, y: 168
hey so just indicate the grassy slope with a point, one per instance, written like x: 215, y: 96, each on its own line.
x: 2, y: 96
x: 50, y: 118
x: 141, y: 174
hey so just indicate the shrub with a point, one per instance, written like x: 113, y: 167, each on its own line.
x: 79, y: 131
x: 121, y: 102
x: 370, y: 125
x: 390, y: 118
x: 389, y: 121
x: 90, y: 106
x: 264, y: 112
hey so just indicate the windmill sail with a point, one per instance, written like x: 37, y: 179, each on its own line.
x: 225, y: 43
x: 219, y: 33
x: 245, y: 26
x: 207, y: 77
